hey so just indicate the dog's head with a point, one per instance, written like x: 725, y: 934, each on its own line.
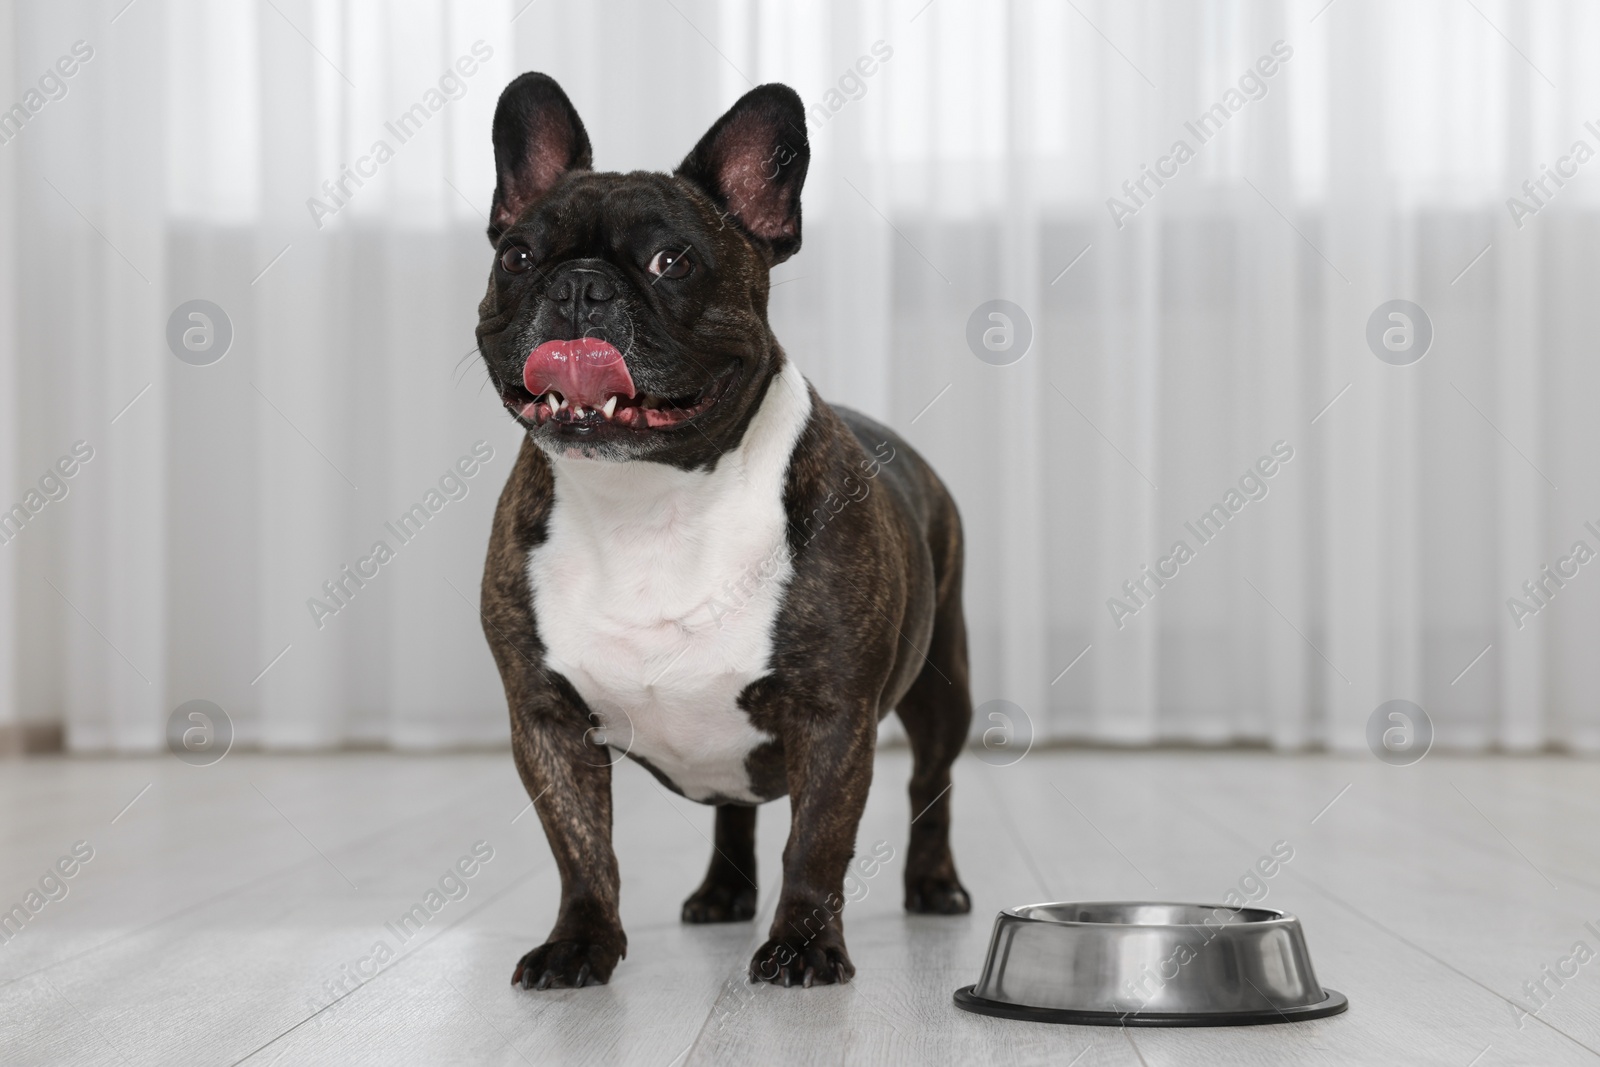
x: 626, y: 316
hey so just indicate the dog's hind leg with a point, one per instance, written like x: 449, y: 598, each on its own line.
x: 728, y: 893
x: 937, y: 711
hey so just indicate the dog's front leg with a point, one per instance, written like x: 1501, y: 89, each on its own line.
x: 570, y: 781
x: 828, y: 761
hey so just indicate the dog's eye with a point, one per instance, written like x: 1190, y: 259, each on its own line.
x: 670, y: 263
x: 515, y: 259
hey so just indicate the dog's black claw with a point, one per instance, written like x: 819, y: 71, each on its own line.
x: 566, y: 964
x: 716, y: 902
x: 814, y: 963
x: 937, y: 895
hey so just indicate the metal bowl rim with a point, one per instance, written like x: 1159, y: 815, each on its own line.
x: 1279, y: 917
x: 1333, y: 1003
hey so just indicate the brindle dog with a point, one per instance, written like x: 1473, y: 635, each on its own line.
x: 697, y: 561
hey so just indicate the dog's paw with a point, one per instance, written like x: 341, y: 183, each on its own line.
x: 937, y: 895
x: 565, y: 964
x: 719, y: 902
x: 811, y: 964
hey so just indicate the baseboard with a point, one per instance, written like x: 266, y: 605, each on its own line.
x: 31, y: 738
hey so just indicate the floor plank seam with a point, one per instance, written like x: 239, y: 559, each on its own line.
x: 217, y: 898
x: 402, y: 959
x: 753, y: 942
x: 1016, y: 839
x: 1435, y: 958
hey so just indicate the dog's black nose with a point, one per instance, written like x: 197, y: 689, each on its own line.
x: 581, y: 293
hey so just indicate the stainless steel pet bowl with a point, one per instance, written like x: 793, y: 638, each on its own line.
x: 1121, y: 963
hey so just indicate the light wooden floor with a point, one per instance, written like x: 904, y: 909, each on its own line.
x: 217, y: 906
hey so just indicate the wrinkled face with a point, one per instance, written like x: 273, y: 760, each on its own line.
x: 625, y: 317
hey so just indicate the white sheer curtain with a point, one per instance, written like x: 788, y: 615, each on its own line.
x: 1170, y: 353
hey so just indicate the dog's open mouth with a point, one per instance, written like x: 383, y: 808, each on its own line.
x: 584, y: 384
x: 643, y: 411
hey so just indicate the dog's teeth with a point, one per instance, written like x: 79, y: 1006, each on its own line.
x: 553, y: 400
x: 611, y: 406
x: 577, y: 411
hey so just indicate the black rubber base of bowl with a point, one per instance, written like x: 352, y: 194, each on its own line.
x: 1332, y: 1005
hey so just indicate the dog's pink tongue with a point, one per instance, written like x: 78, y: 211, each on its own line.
x: 585, y: 371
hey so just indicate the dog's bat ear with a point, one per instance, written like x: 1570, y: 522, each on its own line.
x: 752, y: 162
x: 538, y: 139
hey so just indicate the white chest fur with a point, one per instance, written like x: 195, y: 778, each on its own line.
x: 656, y: 589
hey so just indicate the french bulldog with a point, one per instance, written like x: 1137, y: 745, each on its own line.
x: 696, y: 562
